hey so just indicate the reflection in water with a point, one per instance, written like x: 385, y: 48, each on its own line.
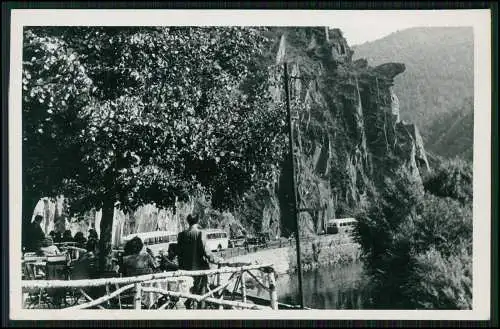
x: 328, y: 287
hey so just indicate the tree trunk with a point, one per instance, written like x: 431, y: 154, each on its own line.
x: 47, y: 215
x: 106, y: 233
x: 59, y: 215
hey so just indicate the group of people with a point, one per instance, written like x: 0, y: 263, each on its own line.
x: 79, y: 239
x: 190, y: 253
x: 36, y: 240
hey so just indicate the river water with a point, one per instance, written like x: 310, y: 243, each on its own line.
x: 327, y: 287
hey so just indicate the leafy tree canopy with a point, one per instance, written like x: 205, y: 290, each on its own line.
x: 147, y: 114
x: 418, y: 246
x: 452, y: 179
x: 129, y: 116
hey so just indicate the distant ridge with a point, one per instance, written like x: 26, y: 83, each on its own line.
x: 452, y: 134
x: 438, y: 81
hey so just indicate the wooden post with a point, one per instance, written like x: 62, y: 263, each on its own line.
x: 40, y: 297
x: 294, y: 184
x: 218, y: 275
x: 221, y: 306
x: 235, y: 288
x: 107, y: 293
x: 243, y: 288
x: 272, y: 291
x: 151, y: 295
x: 119, y: 298
x: 138, y: 295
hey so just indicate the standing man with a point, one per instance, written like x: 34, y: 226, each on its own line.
x: 193, y: 255
x: 36, y: 236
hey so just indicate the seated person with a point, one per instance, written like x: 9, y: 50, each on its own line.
x: 93, y: 234
x: 57, y: 237
x: 169, y: 262
x: 34, y: 235
x: 48, y: 248
x: 52, y: 234
x: 135, y: 260
x: 80, y: 240
x: 150, y: 252
x: 85, y: 267
x: 92, y: 243
x: 67, y: 237
x: 115, y: 264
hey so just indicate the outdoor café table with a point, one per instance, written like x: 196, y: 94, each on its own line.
x: 73, y: 251
x: 34, y: 266
x: 33, y: 269
x: 57, y: 269
x: 47, y: 267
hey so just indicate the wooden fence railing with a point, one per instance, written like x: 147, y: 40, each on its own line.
x: 152, y: 291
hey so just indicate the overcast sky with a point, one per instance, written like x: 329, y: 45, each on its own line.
x: 371, y: 25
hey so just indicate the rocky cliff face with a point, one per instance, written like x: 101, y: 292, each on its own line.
x: 347, y: 132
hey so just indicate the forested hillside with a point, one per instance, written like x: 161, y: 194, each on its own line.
x: 452, y: 133
x: 438, y: 81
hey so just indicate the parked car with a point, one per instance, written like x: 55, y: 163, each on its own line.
x: 264, y: 238
x: 333, y: 229
x: 238, y: 241
x: 251, y: 240
x: 216, y: 239
x: 258, y: 239
x: 342, y: 225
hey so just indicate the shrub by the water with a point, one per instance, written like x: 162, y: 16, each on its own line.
x: 452, y: 179
x: 440, y: 282
x: 417, y: 247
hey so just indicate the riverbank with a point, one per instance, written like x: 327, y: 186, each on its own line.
x: 339, y: 287
x: 335, y: 249
x: 279, y: 257
x: 325, y: 250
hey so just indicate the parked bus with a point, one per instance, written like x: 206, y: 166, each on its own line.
x: 216, y: 239
x: 340, y: 225
x: 155, y: 240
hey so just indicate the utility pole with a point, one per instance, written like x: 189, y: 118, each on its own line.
x: 294, y: 203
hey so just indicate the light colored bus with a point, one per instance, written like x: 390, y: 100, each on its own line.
x: 155, y: 240
x: 216, y: 240
x: 340, y: 225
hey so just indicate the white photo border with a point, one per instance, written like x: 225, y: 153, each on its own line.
x: 479, y: 19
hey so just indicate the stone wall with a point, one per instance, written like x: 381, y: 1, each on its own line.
x: 333, y: 249
x: 325, y: 250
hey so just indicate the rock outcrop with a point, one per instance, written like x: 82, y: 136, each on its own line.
x: 347, y: 132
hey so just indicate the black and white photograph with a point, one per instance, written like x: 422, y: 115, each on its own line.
x: 327, y: 164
